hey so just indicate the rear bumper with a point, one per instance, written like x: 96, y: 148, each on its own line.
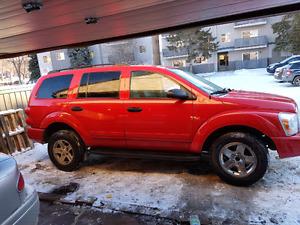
x: 278, y: 76
x: 287, y: 78
x: 28, y: 213
x: 288, y: 146
x: 36, y: 134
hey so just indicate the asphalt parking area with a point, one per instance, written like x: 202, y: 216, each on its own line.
x: 60, y: 214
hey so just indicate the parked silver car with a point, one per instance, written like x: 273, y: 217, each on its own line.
x: 279, y: 72
x: 291, y: 73
x: 19, y: 204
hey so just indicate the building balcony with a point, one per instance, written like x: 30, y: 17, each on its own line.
x: 174, y: 54
x: 249, y: 23
x: 248, y: 43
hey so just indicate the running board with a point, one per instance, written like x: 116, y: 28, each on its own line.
x: 142, y: 154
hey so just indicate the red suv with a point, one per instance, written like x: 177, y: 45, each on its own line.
x: 158, y: 112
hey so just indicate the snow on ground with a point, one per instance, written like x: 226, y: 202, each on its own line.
x: 176, y: 189
x: 172, y: 189
x: 116, y: 182
x: 253, y: 80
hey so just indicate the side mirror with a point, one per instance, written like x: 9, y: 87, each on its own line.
x: 178, y: 94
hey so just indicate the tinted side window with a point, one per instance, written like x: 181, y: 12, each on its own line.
x: 293, y: 59
x: 83, y: 86
x: 295, y: 66
x: 55, y: 87
x: 100, y: 85
x: 145, y: 84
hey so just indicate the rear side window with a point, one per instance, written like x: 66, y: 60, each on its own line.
x: 294, y: 59
x: 295, y: 66
x: 55, y: 87
x: 100, y: 85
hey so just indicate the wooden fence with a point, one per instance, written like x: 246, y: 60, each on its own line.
x: 13, y: 136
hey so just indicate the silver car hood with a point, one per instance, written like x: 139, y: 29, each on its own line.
x: 3, y: 157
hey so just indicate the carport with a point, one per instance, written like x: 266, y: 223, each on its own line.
x: 52, y: 25
x: 160, y: 190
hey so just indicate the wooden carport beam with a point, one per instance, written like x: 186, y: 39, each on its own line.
x: 44, y: 31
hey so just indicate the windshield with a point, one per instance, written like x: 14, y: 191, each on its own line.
x: 198, y: 81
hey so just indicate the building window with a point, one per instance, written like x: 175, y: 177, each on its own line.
x: 178, y: 63
x: 60, y: 56
x: 250, y: 56
x: 142, y: 49
x: 201, y: 59
x: 225, y: 38
x: 46, y: 59
x: 92, y: 54
x: 249, y: 33
x: 223, y: 59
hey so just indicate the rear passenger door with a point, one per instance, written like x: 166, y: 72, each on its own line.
x: 99, y: 108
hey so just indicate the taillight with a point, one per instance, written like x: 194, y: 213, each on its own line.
x: 21, y: 183
x: 27, y: 109
x: 288, y: 72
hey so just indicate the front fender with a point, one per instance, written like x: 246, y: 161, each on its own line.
x: 68, y: 119
x: 247, y: 119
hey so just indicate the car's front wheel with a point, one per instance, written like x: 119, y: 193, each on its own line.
x: 66, y: 150
x: 239, y: 158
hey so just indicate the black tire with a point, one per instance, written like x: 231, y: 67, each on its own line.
x: 258, y: 149
x: 296, y: 81
x: 71, y: 139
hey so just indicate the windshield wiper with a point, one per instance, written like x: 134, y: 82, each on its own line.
x: 222, y: 91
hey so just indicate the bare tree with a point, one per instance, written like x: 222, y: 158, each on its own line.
x: 20, y: 66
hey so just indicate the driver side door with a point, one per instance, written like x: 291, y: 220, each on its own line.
x: 154, y: 121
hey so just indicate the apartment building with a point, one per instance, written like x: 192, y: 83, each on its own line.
x: 244, y: 44
x: 132, y: 51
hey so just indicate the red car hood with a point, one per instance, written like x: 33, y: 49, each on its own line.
x: 260, y: 100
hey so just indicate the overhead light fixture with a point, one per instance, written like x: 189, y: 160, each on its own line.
x: 32, y: 5
x: 91, y: 20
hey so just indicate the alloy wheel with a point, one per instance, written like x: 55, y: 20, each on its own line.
x: 237, y: 159
x: 297, y: 81
x: 63, y: 152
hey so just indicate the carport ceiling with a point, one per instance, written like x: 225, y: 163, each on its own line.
x: 60, y: 23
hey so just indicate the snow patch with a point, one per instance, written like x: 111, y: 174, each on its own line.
x: 253, y: 80
x: 109, y: 181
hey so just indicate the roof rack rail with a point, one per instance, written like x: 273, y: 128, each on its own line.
x: 81, y: 67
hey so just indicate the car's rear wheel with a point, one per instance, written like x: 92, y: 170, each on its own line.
x: 239, y: 158
x: 66, y: 150
x: 296, y: 81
